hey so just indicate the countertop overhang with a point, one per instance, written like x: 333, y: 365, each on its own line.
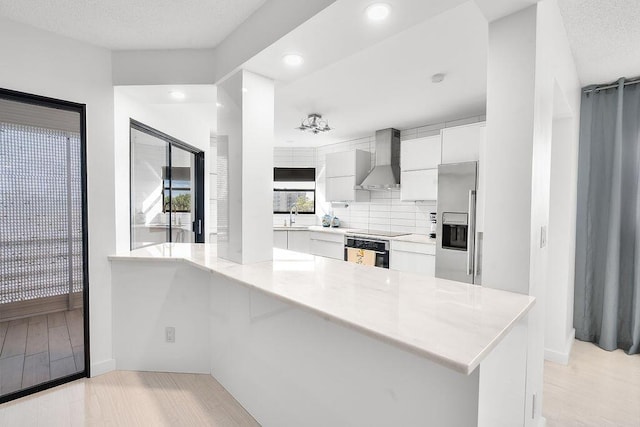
x: 451, y: 323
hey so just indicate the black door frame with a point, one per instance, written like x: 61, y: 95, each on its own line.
x: 43, y: 101
x: 198, y: 226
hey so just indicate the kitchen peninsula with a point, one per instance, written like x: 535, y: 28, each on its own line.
x: 307, y: 340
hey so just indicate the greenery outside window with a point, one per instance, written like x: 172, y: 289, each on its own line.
x: 176, y: 192
x: 294, y: 187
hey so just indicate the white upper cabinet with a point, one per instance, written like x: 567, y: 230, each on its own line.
x: 419, y: 160
x: 462, y: 143
x: 420, y: 153
x: 341, y: 164
x: 345, y: 170
x: 348, y: 163
x: 419, y: 185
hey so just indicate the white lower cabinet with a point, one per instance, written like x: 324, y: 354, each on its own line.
x: 280, y: 239
x: 330, y: 245
x: 294, y: 240
x: 413, y: 257
x: 299, y: 241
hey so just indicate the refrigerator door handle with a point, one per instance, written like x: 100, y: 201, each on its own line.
x: 477, y: 262
x: 471, y: 232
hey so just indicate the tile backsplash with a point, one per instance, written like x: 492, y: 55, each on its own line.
x: 386, y: 212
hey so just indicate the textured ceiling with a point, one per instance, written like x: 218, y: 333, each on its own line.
x: 135, y: 24
x: 388, y: 84
x: 605, y: 38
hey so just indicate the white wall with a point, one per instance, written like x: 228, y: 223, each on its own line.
x: 559, y: 331
x: 563, y: 125
x: 175, y: 66
x: 43, y: 63
x: 170, y: 119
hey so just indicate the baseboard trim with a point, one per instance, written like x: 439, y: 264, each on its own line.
x: 103, y: 367
x: 561, y: 357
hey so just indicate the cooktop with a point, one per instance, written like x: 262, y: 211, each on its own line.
x: 378, y: 233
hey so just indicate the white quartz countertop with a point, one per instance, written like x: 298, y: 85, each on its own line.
x: 450, y: 323
x: 415, y: 238
x: 335, y: 230
x: 290, y: 228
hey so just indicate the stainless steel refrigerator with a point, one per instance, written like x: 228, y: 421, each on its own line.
x: 456, y: 221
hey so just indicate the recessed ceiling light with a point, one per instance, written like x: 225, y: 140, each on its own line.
x: 378, y: 11
x: 437, y: 78
x: 293, y: 59
x: 176, y: 94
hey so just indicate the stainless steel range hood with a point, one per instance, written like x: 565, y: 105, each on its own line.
x: 385, y: 175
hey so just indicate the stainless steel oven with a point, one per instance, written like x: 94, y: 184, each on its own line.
x: 366, y: 251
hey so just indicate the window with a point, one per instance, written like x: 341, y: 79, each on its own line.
x: 176, y: 190
x: 294, y: 187
x: 167, y: 188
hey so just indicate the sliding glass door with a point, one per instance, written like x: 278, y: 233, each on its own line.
x: 167, y: 189
x: 43, y: 244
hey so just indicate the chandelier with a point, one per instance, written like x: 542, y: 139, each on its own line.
x: 315, y: 124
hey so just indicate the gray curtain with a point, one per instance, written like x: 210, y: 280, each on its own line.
x: 607, y: 279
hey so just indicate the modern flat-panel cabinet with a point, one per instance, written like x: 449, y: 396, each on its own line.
x: 345, y: 170
x: 330, y: 245
x: 413, y: 257
x: 419, y: 185
x: 462, y: 143
x: 299, y: 241
x: 294, y: 240
x: 419, y: 160
x: 280, y: 239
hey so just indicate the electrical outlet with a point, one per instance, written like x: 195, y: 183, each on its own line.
x: 543, y: 236
x: 533, y: 406
x: 170, y: 334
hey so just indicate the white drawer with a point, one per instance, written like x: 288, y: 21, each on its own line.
x: 327, y: 249
x: 327, y: 237
x: 419, y: 248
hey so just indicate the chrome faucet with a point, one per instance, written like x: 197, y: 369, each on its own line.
x: 292, y: 220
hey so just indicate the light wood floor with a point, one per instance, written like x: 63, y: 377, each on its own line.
x: 597, y: 388
x: 41, y: 348
x: 123, y: 398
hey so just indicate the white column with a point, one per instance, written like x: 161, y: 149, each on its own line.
x: 530, y: 68
x: 516, y: 191
x: 245, y: 168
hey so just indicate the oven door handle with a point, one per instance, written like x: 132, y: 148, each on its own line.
x: 370, y: 250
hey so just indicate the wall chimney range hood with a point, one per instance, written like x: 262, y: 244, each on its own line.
x: 385, y: 175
